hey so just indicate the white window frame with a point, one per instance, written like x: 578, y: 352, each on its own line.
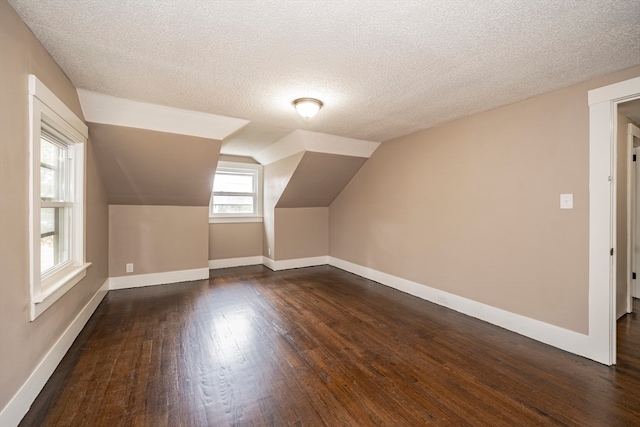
x: 236, y: 167
x: 46, y: 107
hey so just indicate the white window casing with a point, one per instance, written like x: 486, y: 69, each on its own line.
x: 64, y: 129
x: 240, y: 169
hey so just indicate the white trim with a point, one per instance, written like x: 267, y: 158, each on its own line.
x: 601, y: 238
x: 232, y: 219
x: 53, y: 293
x: 40, y: 91
x: 615, y: 91
x: 269, y: 263
x: 18, y: 406
x: 235, y: 262
x: 602, y: 210
x: 287, y: 264
x: 109, y: 110
x: 304, y: 140
x: 257, y: 171
x: 564, y: 339
x: 46, y: 107
x: 152, y: 279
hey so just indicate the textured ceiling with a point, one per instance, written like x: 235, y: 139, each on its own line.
x: 382, y: 68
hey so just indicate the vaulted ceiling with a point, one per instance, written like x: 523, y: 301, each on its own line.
x: 383, y: 68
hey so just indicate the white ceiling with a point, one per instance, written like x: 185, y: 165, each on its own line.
x: 383, y: 68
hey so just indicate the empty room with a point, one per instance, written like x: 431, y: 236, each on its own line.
x: 319, y: 213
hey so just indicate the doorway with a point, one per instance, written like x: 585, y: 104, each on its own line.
x: 629, y: 116
x: 634, y: 284
x: 603, y: 107
x: 627, y: 247
x: 629, y: 132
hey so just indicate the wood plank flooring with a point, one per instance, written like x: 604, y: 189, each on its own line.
x: 319, y: 346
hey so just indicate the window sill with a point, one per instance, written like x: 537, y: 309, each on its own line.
x: 56, y: 290
x: 230, y: 219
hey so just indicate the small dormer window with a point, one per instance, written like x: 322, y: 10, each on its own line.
x: 237, y: 193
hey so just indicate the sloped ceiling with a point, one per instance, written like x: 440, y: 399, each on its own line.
x: 631, y: 109
x: 383, y: 68
x: 318, y: 180
x: 144, y: 167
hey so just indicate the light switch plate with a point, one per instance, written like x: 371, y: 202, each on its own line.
x: 566, y: 201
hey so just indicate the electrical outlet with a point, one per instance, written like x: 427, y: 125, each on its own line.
x: 442, y: 299
x: 129, y: 268
x: 269, y: 251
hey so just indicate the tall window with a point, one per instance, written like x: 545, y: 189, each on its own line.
x: 237, y: 192
x: 57, y: 197
x: 56, y: 201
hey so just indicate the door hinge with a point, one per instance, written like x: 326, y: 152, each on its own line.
x: 633, y: 276
x: 611, y: 252
x: 634, y: 157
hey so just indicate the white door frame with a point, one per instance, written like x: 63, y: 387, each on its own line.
x: 603, y: 107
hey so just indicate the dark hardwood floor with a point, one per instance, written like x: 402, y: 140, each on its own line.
x: 319, y: 346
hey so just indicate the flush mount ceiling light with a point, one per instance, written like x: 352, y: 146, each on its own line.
x: 307, y: 107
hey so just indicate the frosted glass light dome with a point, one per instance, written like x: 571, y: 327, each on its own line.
x: 307, y: 107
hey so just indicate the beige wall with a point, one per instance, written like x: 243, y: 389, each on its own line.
x: 297, y: 192
x: 145, y: 167
x: 157, y: 238
x: 318, y: 179
x: 237, y: 159
x: 235, y: 240
x: 301, y: 232
x: 276, y: 176
x: 24, y: 344
x: 472, y: 207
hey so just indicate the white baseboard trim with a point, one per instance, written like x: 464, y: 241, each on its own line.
x: 269, y: 263
x: 152, y: 279
x: 561, y: 338
x: 287, y: 264
x: 235, y: 262
x: 18, y: 406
